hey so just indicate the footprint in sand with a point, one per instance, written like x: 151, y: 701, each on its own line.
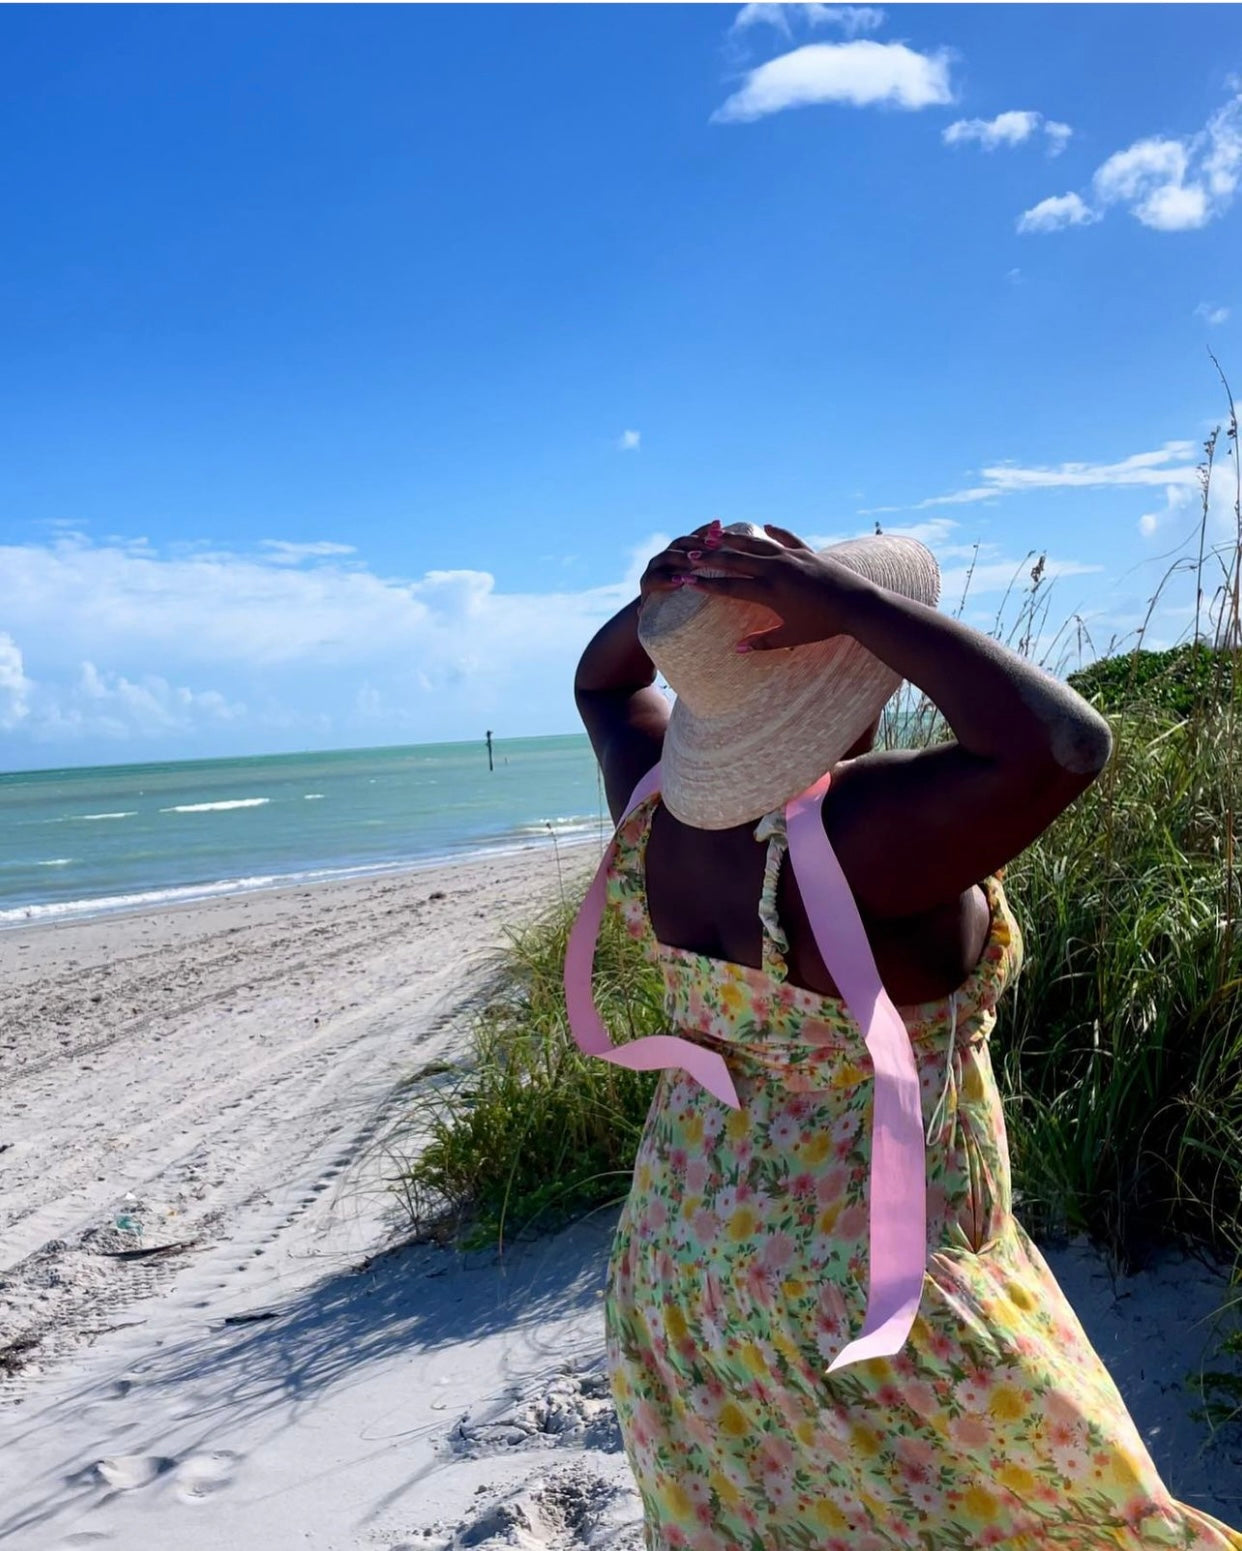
x: 200, y: 1475
x: 124, y: 1472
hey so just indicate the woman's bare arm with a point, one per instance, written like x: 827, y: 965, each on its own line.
x: 915, y: 829
x: 624, y: 713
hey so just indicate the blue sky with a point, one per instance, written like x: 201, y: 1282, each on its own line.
x: 356, y: 357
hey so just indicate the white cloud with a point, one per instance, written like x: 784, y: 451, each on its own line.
x: 1051, y: 215
x: 858, y: 74
x: 1057, y: 136
x: 1011, y: 128
x: 1176, y: 499
x: 221, y: 652
x: 1167, y: 184
x: 1173, y: 465
x: 852, y: 19
x: 282, y: 553
x: 1211, y: 313
x: 14, y: 685
x: 630, y: 441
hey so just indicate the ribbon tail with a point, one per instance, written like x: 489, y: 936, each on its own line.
x: 898, y: 1182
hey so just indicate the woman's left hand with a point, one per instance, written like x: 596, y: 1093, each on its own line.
x: 814, y: 597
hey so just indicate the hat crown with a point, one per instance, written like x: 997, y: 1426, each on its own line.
x: 751, y: 730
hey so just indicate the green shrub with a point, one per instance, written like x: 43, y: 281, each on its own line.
x: 1187, y: 678
x: 531, y: 1132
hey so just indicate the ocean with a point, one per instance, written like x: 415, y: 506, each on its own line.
x: 75, y: 843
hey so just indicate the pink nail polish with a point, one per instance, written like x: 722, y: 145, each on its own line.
x: 744, y: 646
x: 694, y: 554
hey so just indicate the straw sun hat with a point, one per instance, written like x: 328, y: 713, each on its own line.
x: 749, y: 731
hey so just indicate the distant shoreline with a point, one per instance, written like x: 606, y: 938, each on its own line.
x: 182, y: 897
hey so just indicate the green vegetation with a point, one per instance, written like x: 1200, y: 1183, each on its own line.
x: 1186, y: 681
x: 1119, y: 1055
x: 531, y: 1132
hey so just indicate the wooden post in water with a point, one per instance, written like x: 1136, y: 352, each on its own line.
x: 490, y: 765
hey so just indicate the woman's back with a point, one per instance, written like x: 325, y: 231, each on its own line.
x: 703, y: 892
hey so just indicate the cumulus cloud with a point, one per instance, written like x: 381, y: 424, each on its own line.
x: 851, y: 19
x: 1167, y: 184
x: 1011, y: 128
x: 630, y: 441
x: 859, y: 74
x: 215, y: 651
x: 14, y: 685
x: 1051, y: 215
x: 1210, y: 313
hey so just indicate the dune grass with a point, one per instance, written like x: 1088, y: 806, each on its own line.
x: 1119, y: 1055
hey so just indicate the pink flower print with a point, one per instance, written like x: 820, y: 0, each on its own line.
x: 971, y: 1395
x: 992, y: 1535
x: 679, y: 1160
x: 784, y: 1132
x: 940, y: 1345
x: 970, y: 1431
x: 775, y: 1455
x: 713, y: 1122
x: 654, y: 1219
x: 727, y: 1201
x: 917, y: 1451
x: 832, y: 1186
x: 802, y: 1185
x: 925, y: 1497
x: 696, y: 1176
x: 1072, y: 1463
x: 852, y: 1223
x: 778, y: 1251
x: 706, y: 1226
x: 758, y: 1284
x: 921, y: 1398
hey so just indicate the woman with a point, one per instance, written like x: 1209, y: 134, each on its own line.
x: 825, y: 1328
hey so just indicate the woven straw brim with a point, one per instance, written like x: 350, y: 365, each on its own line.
x: 751, y: 730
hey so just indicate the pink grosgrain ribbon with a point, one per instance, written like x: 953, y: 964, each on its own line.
x: 898, y: 1180
x: 655, y: 1050
x: 898, y: 1184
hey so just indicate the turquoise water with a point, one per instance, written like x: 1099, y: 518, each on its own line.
x: 80, y: 842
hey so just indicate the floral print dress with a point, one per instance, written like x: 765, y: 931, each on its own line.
x: 740, y: 1270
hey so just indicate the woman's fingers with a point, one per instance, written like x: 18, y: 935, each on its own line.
x: 785, y: 537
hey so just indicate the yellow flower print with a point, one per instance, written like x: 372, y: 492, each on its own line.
x: 732, y: 998
x: 1017, y: 1478
x: 737, y: 1127
x: 675, y: 1323
x: 675, y: 1498
x: 733, y: 1421
x: 816, y: 1150
x: 978, y: 1503
x: 693, y: 1131
x: 743, y: 1224
x: 1005, y: 1403
x: 829, y: 1515
x: 753, y: 1359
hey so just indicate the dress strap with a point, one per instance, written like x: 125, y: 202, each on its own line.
x: 898, y: 1182
x: 775, y: 944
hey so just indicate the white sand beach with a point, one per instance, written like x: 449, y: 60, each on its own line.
x: 206, y: 1339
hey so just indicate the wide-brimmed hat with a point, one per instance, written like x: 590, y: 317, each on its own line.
x: 750, y: 730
